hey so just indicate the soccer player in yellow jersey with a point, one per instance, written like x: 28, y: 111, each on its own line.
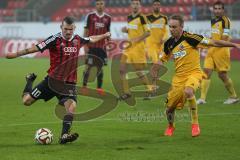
x: 221, y: 61
x: 183, y: 48
x: 158, y: 24
x: 135, y: 55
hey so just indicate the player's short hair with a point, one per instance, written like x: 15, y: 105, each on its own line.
x: 179, y: 18
x: 69, y: 20
x: 220, y: 3
x: 156, y: 1
x: 98, y: 0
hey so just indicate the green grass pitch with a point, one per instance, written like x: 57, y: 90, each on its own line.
x: 126, y: 133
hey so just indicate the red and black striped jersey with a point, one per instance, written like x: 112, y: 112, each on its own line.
x: 63, y: 56
x: 97, y: 25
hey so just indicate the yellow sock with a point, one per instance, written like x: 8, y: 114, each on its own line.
x: 147, y: 83
x: 229, y: 86
x: 204, y: 88
x: 193, y: 109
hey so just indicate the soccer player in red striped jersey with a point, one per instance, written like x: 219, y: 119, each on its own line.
x: 64, y: 50
x: 96, y: 22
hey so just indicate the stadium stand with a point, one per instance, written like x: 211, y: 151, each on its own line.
x: 54, y: 10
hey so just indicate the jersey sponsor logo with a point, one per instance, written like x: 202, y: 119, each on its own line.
x: 179, y: 54
x: 156, y: 25
x: 69, y: 50
x: 99, y: 25
x: 215, y: 30
x: 132, y: 26
x: 52, y: 38
x: 42, y: 45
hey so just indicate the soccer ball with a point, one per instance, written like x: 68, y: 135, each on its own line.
x: 44, y: 136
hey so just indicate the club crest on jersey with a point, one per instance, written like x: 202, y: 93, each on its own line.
x: 105, y: 19
x: 75, y: 42
x: 181, y: 47
x: 69, y: 50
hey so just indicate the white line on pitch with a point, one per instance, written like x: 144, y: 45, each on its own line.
x: 107, y: 119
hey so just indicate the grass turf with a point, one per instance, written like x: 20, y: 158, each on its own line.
x: 125, y: 133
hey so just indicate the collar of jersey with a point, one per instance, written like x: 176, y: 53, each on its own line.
x: 99, y: 15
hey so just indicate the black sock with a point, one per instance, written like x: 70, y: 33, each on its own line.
x: 85, y: 78
x: 100, y: 79
x: 28, y: 87
x: 67, y: 123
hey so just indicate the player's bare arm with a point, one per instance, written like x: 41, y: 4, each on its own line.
x: 94, y: 39
x: 225, y: 38
x: 222, y: 43
x: 22, y: 52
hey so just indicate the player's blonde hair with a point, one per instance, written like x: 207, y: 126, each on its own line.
x: 178, y: 17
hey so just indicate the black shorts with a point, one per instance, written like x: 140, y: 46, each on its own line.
x: 96, y: 57
x: 43, y: 91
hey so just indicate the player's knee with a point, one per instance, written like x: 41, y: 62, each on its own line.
x: 70, y: 106
x: 223, y: 76
x: 27, y: 102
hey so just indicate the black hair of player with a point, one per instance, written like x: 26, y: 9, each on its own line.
x: 69, y: 20
x: 218, y: 3
x: 156, y: 1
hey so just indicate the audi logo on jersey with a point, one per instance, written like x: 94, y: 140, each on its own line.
x: 99, y: 25
x: 69, y: 50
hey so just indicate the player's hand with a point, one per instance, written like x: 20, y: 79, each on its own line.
x: 237, y: 46
x: 11, y: 55
x: 124, y: 30
x: 107, y: 35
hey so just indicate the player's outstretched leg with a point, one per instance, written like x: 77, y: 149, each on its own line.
x: 29, y: 79
x: 27, y: 99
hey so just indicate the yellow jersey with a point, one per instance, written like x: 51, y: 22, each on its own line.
x: 184, y: 52
x: 158, y: 28
x: 137, y: 26
x: 220, y: 27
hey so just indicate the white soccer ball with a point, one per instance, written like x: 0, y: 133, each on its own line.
x: 44, y: 136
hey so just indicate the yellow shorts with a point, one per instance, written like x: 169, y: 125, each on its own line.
x: 176, y: 96
x: 218, y: 59
x: 154, y: 52
x: 135, y: 54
